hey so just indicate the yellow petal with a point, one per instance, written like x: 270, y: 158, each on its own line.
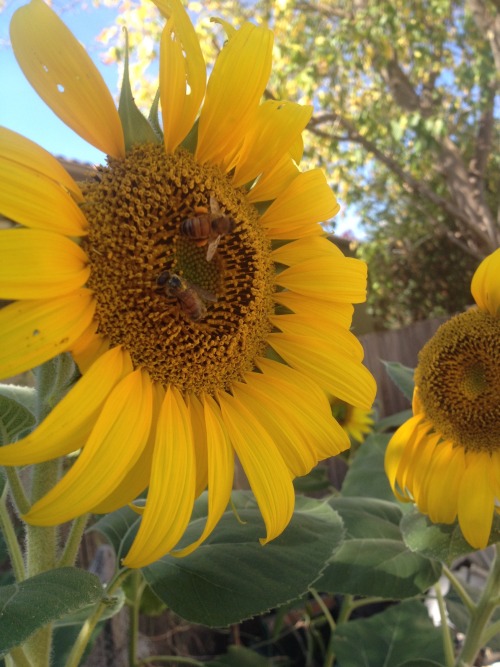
x: 111, y: 451
x: 443, y: 483
x: 269, y: 477
x: 306, y: 248
x: 296, y: 212
x: 89, y: 347
x: 171, y: 489
x: 182, y: 74
x: 333, y: 369
x: 339, y: 313
x: 16, y: 148
x: 61, y: 72
x: 476, y: 500
x: 274, y: 181
x: 308, y: 404
x: 34, y: 331
x: 485, y: 285
x: 327, y: 329
x: 341, y: 279
x: 137, y: 478
x: 69, y: 424
x: 235, y: 87
x: 41, y: 265
x: 394, y: 454
x: 220, y: 471
x: 270, y: 136
x: 32, y: 199
x: 197, y: 414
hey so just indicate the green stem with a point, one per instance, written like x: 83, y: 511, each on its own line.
x: 41, y: 555
x: 449, y: 653
x: 459, y: 589
x: 72, y: 545
x: 9, y: 533
x: 476, y: 632
x: 17, y: 490
x: 88, y: 627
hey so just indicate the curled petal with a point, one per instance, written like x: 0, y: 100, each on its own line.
x: 61, y: 72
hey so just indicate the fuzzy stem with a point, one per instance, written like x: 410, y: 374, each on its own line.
x: 17, y: 658
x: 482, y: 613
x: 449, y: 653
x: 9, y: 533
x: 72, y: 545
x: 17, y: 490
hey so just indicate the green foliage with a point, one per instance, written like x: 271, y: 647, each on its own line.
x: 16, y: 412
x: 402, y: 376
x: 390, y: 639
x: 29, y: 605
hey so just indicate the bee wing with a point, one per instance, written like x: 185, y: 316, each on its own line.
x: 214, y: 207
x: 212, y: 247
x: 205, y: 294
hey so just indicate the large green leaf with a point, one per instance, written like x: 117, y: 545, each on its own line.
x: 232, y: 577
x: 366, y: 476
x: 240, y: 656
x: 443, y: 542
x: 401, y: 633
x: 29, y: 605
x: 373, y: 559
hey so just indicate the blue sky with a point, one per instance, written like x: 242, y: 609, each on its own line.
x: 22, y: 110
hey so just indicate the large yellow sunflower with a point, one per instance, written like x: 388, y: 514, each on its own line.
x: 189, y: 351
x: 446, y: 458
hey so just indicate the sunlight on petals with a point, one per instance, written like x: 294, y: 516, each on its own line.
x: 39, y: 264
x: 172, y: 485
x: 111, y: 451
x: 30, y: 198
x: 273, y: 181
x: 230, y: 106
x: 19, y: 150
x: 338, y: 313
x: 268, y: 474
x: 35, y: 331
x: 295, y: 212
x: 269, y: 138
x: 62, y: 73
x: 476, y: 502
x: 182, y: 74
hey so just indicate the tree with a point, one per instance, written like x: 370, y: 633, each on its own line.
x: 404, y: 124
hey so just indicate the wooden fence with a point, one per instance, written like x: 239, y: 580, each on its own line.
x: 401, y: 345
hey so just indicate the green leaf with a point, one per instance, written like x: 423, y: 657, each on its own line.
x: 366, y: 476
x: 232, y: 576
x: 443, y: 542
x: 401, y: 633
x: 16, y: 419
x: 136, y: 129
x: 116, y: 527
x: 402, y: 376
x: 373, y: 559
x: 29, y: 605
x: 240, y: 656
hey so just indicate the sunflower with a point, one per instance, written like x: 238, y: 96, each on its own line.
x: 188, y: 277
x: 446, y: 458
x: 356, y: 422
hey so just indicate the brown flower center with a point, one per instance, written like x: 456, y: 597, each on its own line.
x: 458, y: 377
x: 190, y: 301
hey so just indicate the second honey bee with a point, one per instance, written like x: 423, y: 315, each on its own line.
x: 191, y: 298
x: 207, y: 227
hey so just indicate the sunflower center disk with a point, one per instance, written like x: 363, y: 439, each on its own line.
x: 458, y: 376
x: 190, y: 301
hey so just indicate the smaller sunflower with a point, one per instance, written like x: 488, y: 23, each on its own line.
x: 446, y: 458
x: 356, y: 422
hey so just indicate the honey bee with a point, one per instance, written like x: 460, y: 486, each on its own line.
x: 207, y: 228
x: 191, y: 298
